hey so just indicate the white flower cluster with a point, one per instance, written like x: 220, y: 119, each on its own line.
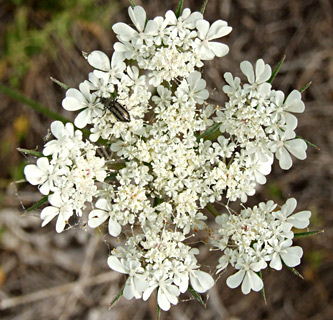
x: 68, y: 171
x: 261, y: 119
x: 147, y: 106
x: 159, y: 260
x: 256, y: 236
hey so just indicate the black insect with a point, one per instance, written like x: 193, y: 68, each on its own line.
x: 116, y: 109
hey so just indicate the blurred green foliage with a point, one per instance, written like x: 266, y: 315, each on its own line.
x: 30, y: 29
x: 274, y: 191
x: 34, y: 27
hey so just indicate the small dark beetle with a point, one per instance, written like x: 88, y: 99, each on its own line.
x: 116, y: 109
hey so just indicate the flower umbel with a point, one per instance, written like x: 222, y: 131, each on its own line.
x: 152, y: 175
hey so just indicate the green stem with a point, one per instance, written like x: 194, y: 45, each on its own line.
x: 37, y: 204
x: 308, y: 143
x: 306, y: 234
x: 203, y: 7
x: 30, y: 152
x: 276, y: 70
x: 196, y: 295
x: 59, y: 83
x: 158, y: 313
x: 263, y: 295
x: 115, y: 300
x: 116, y: 165
x: 31, y: 103
x: 179, y: 8
x: 212, y: 210
x: 157, y: 201
x: 211, y: 134
x: 305, y: 87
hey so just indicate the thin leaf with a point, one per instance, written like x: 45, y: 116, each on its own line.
x: 111, y: 176
x: 36, y: 205
x: 32, y: 104
x: 132, y: 3
x: 158, y: 312
x: 308, y: 143
x: 21, y: 181
x: 212, y: 210
x: 211, y: 133
x: 196, y: 295
x: 263, y: 295
x: 306, y: 234
x: 179, y: 8
x: 115, y: 300
x: 276, y: 70
x: 305, y: 87
x: 294, y: 271
x: 59, y: 83
x: 85, y: 54
x: 157, y: 201
x: 30, y: 152
x: 116, y: 165
x: 203, y: 7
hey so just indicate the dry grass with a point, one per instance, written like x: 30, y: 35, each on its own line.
x: 44, y: 275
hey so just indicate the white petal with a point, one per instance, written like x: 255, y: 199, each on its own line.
x: 48, y: 214
x: 202, y: 27
x: 183, y: 285
x: 191, y: 19
x: 114, y: 228
x: 292, y: 256
x: 82, y: 119
x: 297, y: 147
x: 284, y: 157
x: 218, y: 29
x: 99, y: 60
x: 148, y: 292
x: 229, y: 78
x: 263, y: 71
x: 247, y: 69
x: 235, y: 280
x: 205, y: 53
x: 289, y: 206
x: 55, y: 200
x: 171, y: 292
x: 115, y: 264
x: 57, y: 127
x: 45, y: 188
x: 72, y: 104
x: 61, y: 223
x: 151, y: 27
x: 138, y: 17
x: 219, y: 49
x: 290, y: 120
x: 251, y: 281
x: 128, y: 292
x: 103, y: 204
x: 85, y: 90
x: 162, y: 301
x: 300, y: 220
x: 265, y: 88
x: 125, y: 32
x: 201, y: 281
x: 171, y: 17
x: 294, y: 102
x: 96, y: 218
x: 140, y: 282
x: 276, y: 262
x: 34, y: 175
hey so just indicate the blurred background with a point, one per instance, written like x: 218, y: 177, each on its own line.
x: 44, y: 275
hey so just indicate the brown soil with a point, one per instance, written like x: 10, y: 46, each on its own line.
x: 44, y: 275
